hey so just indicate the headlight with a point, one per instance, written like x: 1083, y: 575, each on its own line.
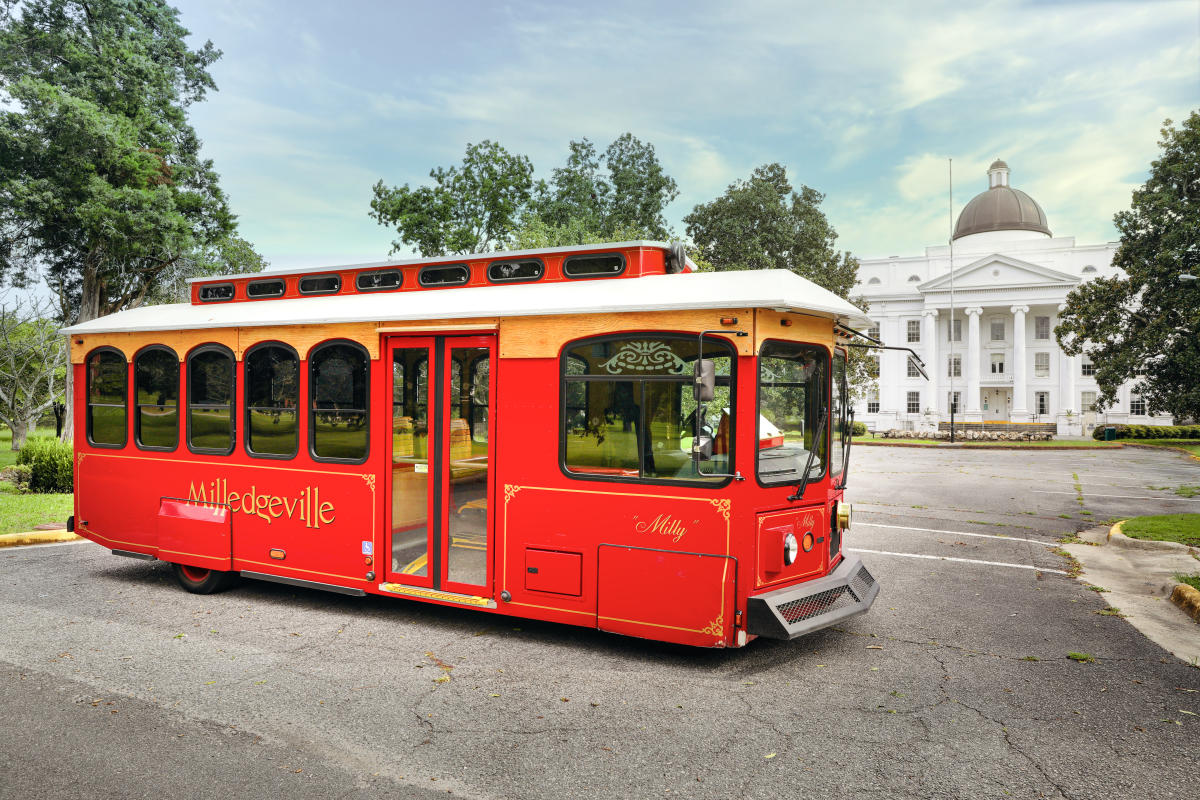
x: 790, y: 548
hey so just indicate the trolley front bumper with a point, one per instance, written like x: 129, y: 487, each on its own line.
x: 796, y: 610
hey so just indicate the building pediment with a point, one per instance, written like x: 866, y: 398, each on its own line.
x: 996, y: 271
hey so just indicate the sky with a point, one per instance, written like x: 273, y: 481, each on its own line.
x: 863, y: 101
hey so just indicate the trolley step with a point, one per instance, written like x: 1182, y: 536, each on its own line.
x: 435, y: 594
x: 796, y: 610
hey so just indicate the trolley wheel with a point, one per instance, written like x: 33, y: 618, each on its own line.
x: 199, y: 580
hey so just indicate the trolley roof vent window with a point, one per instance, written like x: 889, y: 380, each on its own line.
x: 451, y: 275
x: 594, y: 266
x: 380, y: 281
x: 320, y: 284
x: 528, y: 269
x: 216, y: 292
x: 271, y: 288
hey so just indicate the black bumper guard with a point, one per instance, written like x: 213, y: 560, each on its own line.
x: 796, y: 610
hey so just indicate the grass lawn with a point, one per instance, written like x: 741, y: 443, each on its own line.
x: 1191, y: 580
x: 1182, y: 528
x: 21, y: 512
x: 1051, y: 443
x: 1190, y: 445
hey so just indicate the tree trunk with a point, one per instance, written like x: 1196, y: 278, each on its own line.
x: 20, y: 431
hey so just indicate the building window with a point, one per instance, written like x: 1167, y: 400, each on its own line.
x: 1042, y: 399
x: 873, y: 400
x: 914, y: 403
x: 954, y: 366
x: 954, y: 331
x: 1041, y: 365
x: 1089, y: 269
x: 1086, y: 367
x: 338, y: 376
x: 997, y: 330
x: 1137, y: 405
x: 107, y: 397
x: 272, y: 380
x: 912, y: 369
x: 1088, y: 401
x: 1041, y: 327
x: 873, y: 282
x: 997, y: 363
x: 210, y: 399
x: 873, y: 332
x: 914, y: 330
x: 156, y: 398
x: 914, y: 278
x: 629, y: 413
x: 952, y: 401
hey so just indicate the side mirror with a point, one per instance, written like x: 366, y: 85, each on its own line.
x: 706, y: 380
x: 702, y: 450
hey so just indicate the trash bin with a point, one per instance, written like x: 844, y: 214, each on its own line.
x: 1110, y: 433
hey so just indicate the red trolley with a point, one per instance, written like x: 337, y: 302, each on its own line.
x: 593, y: 435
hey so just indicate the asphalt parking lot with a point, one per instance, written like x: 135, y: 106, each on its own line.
x: 114, y: 683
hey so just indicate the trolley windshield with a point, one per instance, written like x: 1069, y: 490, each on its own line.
x: 792, y: 401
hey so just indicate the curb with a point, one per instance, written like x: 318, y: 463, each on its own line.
x: 1115, y: 537
x: 1188, y: 599
x: 1161, y: 447
x: 973, y: 446
x: 37, y: 537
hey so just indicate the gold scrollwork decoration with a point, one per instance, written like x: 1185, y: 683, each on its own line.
x: 717, y: 626
x: 510, y: 491
x: 722, y: 505
x: 370, y: 480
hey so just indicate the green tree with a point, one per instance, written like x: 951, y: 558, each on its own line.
x: 581, y: 204
x: 102, y: 187
x: 33, y: 360
x: 1144, y: 324
x: 467, y: 210
x: 763, y: 223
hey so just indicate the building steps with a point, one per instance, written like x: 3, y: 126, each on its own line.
x: 1002, y: 427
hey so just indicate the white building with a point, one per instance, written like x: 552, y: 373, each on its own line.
x: 999, y: 360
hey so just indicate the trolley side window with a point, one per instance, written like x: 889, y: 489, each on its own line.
x: 210, y: 400
x: 156, y: 395
x: 792, y: 402
x: 272, y: 381
x: 107, y: 397
x: 629, y: 413
x: 339, y: 374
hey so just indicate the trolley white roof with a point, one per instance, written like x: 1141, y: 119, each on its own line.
x: 775, y: 289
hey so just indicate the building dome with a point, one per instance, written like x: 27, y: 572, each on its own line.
x: 1000, y: 208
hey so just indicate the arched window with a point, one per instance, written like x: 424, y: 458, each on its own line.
x: 338, y: 378
x: 210, y: 427
x: 107, y: 397
x: 873, y: 282
x: 1088, y: 269
x: 914, y: 278
x: 156, y: 398
x: 271, y: 377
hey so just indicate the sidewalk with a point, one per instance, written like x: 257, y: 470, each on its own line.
x: 1139, y: 577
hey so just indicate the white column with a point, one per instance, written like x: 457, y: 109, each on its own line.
x: 929, y: 334
x: 1020, y: 409
x: 1067, y: 366
x: 974, y: 413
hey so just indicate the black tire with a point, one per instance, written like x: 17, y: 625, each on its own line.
x: 199, y: 580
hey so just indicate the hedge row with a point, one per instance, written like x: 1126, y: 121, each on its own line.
x: 1150, y: 431
x: 51, y: 464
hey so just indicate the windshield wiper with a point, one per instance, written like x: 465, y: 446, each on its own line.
x: 811, y: 455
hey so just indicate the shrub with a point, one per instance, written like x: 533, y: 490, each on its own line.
x: 1150, y: 431
x: 51, y: 465
x: 20, y: 475
x: 858, y: 429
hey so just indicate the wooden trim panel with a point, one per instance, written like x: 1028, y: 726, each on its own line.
x: 543, y: 337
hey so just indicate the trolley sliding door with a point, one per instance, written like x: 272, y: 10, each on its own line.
x: 440, y: 532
